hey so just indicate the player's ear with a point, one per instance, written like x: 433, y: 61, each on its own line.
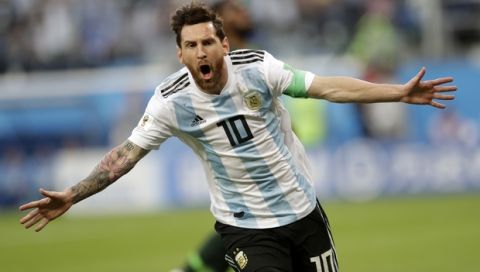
x: 179, y: 55
x: 226, y: 46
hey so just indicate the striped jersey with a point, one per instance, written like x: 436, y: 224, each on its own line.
x: 257, y: 171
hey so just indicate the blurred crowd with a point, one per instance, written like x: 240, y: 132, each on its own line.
x: 62, y: 34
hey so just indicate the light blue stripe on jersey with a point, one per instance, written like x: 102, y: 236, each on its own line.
x: 273, y: 127
x: 302, y: 181
x: 234, y: 199
x: 257, y: 169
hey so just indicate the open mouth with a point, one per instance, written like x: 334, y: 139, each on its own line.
x: 206, y: 71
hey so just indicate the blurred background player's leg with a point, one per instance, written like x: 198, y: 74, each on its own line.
x: 209, y: 257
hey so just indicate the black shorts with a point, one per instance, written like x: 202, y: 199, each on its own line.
x: 302, y: 246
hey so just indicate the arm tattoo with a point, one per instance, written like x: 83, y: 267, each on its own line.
x: 115, y: 164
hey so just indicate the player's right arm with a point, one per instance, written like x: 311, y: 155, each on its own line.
x: 116, y: 163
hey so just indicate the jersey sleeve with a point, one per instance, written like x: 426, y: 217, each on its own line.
x: 154, y: 126
x: 284, y: 79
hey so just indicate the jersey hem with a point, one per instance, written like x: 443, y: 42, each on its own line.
x: 261, y: 225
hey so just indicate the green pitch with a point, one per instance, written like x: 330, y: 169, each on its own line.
x: 438, y: 233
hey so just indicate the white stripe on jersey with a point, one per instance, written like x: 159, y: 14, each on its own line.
x: 258, y: 177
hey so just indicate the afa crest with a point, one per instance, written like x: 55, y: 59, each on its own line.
x: 241, y: 259
x: 253, y: 100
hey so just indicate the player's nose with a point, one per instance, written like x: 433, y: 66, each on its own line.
x: 201, y: 52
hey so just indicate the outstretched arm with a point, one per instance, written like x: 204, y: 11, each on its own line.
x: 116, y: 163
x: 415, y: 91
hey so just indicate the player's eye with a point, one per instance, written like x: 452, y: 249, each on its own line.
x: 190, y: 45
x: 208, y: 42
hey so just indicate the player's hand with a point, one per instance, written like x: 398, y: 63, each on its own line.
x: 46, y: 209
x: 424, y: 92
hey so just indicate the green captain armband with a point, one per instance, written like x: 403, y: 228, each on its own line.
x: 297, y: 87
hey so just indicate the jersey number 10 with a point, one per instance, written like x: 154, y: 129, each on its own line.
x: 237, y: 129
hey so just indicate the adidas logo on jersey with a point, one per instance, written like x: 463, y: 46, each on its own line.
x: 197, y: 121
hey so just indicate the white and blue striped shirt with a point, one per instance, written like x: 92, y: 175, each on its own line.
x: 256, y: 168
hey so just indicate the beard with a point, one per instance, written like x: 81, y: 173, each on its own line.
x: 213, y: 83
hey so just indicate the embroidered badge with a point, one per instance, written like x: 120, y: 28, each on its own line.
x: 241, y: 259
x: 253, y: 100
x: 146, y: 122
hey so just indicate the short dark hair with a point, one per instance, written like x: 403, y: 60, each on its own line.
x: 195, y: 13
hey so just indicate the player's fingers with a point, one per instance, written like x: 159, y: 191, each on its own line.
x: 440, y: 81
x: 420, y: 74
x: 42, y: 224
x: 29, y: 216
x: 49, y: 193
x: 445, y: 88
x: 416, y: 80
x: 437, y: 105
x: 33, y: 204
x: 444, y: 96
x: 33, y: 221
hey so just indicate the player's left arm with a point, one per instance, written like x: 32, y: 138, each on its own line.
x: 415, y: 91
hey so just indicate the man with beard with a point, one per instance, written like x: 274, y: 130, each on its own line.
x: 238, y: 27
x: 225, y: 106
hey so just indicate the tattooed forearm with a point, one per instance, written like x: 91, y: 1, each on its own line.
x: 115, y: 164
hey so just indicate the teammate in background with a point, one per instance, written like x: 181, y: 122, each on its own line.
x: 237, y: 23
x: 226, y: 107
x: 210, y: 256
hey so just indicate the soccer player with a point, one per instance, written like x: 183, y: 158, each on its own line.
x: 238, y: 27
x: 225, y: 106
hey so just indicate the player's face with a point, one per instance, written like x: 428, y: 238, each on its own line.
x: 202, y: 52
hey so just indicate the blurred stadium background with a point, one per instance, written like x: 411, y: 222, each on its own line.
x: 399, y: 182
